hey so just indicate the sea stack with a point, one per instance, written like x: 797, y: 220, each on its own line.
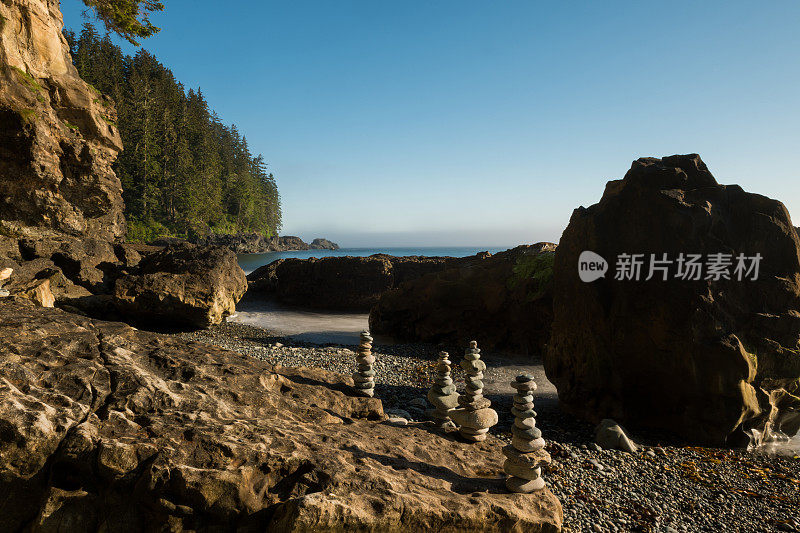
x: 443, y: 395
x: 526, y: 452
x: 474, y: 418
x: 364, y: 377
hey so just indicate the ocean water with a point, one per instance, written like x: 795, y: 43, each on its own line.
x: 250, y: 262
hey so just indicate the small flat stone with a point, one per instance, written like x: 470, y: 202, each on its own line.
x: 473, y: 431
x: 524, y: 406
x: 529, y: 458
x: 525, y: 423
x: 520, y: 398
x: 475, y: 383
x: 473, y: 366
x: 480, y: 419
x: 530, y: 434
x: 474, y: 403
x: 524, y: 378
x: 397, y: 421
x: 529, y: 472
x: 524, y: 445
x: 474, y: 377
x: 365, y: 359
x: 524, y: 486
x: 530, y: 413
x: 471, y: 356
x: 524, y: 387
x: 444, y: 391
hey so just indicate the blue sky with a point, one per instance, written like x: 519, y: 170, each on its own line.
x: 487, y: 123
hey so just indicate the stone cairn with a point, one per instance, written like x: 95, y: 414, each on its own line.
x: 364, y: 378
x: 526, y: 452
x: 443, y: 395
x: 474, y: 418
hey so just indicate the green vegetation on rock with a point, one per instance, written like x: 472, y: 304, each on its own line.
x: 535, y: 270
x: 28, y: 115
x: 28, y: 80
x: 182, y: 170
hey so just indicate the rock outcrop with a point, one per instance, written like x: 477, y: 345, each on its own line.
x: 188, y: 285
x: 710, y: 358
x: 504, y: 301
x: 254, y: 243
x: 103, y: 427
x: 343, y: 283
x: 323, y: 244
x: 58, y: 136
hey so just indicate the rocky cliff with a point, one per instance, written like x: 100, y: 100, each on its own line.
x: 58, y: 137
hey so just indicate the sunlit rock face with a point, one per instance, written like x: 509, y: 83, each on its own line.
x: 712, y: 358
x: 58, y: 135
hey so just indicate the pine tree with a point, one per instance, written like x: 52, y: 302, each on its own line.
x: 182, y: 170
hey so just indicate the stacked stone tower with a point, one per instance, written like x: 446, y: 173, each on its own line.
x: 364, y: 377
x: 526, y: 453
x: 475, y: 417
x: 443, y: 395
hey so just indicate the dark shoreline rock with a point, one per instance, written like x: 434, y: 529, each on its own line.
x: 503, y: 301
x: 343, y: 283
x: 710, y: 360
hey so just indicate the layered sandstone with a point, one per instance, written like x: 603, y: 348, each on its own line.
x: 58, y: 137
x: 103, y: 427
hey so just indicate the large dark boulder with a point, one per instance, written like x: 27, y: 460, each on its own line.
x: 182, y: 285
x: 106, y: 428
x: 343, y: 283
x: 504, y: 301
x: 708, y: 359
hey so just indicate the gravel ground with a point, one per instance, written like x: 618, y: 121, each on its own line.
x: 663, y: 487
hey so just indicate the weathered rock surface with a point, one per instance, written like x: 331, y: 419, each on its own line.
x: 58, y: 137
x: 190, y: 285
x: 705, y: 359
x: 504, y: 301
x: 346, y: 283
x: 103, y: 427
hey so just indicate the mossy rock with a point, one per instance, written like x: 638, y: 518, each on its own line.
x: 534, y: 270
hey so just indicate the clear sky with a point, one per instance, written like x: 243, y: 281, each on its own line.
x: 486, y: 123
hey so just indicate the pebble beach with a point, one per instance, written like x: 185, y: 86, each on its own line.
x: 664, y: 486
